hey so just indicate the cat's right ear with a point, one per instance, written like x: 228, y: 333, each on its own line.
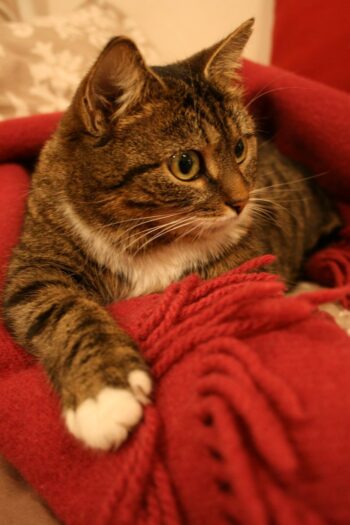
x: 117, y: 81
x: 224, y: 58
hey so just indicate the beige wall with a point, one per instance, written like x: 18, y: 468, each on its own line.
x: 181, y: 27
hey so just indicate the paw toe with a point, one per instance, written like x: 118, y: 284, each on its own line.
x: 104, y: 422
x: 141, y: 385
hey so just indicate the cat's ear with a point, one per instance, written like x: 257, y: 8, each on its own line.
x: 223, y: 59
x: 117, y: 81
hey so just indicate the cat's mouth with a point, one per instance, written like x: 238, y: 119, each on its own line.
x: 189, y: 227
x: 229, y: 223
x: 212, y: 227
x: 228, y: 219
x: 218, y: 223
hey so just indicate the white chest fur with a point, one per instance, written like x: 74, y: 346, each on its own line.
x: 154, y: 271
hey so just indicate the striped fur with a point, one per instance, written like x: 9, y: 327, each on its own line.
x: 106, y: 219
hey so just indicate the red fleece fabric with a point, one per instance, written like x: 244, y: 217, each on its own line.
x: 251, y: 416
x: 311, y: 38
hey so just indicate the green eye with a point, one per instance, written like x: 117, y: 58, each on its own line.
x: 185, y: 165
x: 240, y: 150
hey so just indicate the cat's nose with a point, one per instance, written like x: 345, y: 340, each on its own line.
x: 237, y: 206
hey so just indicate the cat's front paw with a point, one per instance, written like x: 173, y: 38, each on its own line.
x: 104, y: 422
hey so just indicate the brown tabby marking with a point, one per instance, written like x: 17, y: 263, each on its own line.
x: 108, y: 219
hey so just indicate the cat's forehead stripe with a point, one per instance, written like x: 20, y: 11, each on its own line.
x: 210, y: 105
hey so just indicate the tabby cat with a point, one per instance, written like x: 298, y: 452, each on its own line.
x: 153, y: 173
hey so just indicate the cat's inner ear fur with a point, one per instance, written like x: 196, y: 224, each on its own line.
x: 223, y: 59
x: 117, y: 81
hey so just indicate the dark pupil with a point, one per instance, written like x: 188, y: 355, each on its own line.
x: 185, y: 164
x: 239, y: 148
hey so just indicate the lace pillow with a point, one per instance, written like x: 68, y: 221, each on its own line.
x: 41, y: 62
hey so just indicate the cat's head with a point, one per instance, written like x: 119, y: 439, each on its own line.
x: 161, y: 153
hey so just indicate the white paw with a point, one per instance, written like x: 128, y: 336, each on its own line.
x: 105, y: 421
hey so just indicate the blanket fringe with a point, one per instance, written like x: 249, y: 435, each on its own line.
x: 331, y: 267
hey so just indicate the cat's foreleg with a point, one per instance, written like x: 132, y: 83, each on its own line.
x: 94, y: 366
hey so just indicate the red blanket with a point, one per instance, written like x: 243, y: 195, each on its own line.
x: 251, y: 416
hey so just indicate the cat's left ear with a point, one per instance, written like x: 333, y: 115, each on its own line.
x: 117, y: 81
x: 223, y: 59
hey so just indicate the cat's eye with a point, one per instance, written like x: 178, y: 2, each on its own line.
x: 240, y: 150
x: 185, y: 165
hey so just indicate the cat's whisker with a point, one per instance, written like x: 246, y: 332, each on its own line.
x: 163, y: 227
x: 166, y: 230
x: 287, y: 201
x: 263, y: 214
x: 259, y: 205
x: 135, y: 237
x: 263, y: 143
x: 272, y: 82
x: 274, y: 191
x: 199, y: 233
x: 140, y: 220
x: 288, y: 183
x: 264, y: 93
x: 169, y: 225
x: 188, y: 232
x: 198, y: 224
x: 267, y: 201
x: 109, y: 198
x: 274, y: 203
x: 160, y: 226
